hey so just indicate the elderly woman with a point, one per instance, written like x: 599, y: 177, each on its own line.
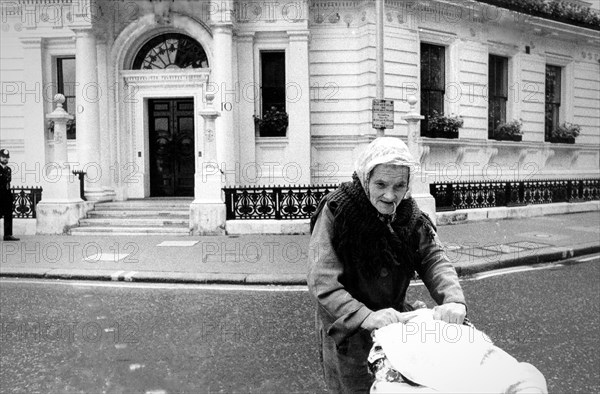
x: 368, y: 239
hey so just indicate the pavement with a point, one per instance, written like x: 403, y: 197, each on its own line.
x: 282, y: 259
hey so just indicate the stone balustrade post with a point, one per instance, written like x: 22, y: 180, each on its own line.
x: 207, y: 211
x: 61, y: 206
x: 419, y: 183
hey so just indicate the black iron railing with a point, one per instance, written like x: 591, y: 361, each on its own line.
x: 25, y: 200
x: 274, y: 202
x: 466, y: 195
x: 81, y: 175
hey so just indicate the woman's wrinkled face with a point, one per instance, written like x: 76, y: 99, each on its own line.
x: 388, y: 185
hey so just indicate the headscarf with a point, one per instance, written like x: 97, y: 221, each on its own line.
x: 383, y: 150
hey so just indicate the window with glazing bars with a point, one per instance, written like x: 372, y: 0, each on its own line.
x: 497, y: 92
x: 553, y: 93
x: 433, y: 82
x: 272, y: 88
x: 273, y: 80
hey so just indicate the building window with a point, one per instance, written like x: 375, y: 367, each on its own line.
x: 171, y: 50
x: 65, y: 78
x: 433, y: 82
x: 553, y: 93
x: 272, y: 90
x: 497, y: 92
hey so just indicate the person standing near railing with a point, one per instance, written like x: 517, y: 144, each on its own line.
x: 6, y: 199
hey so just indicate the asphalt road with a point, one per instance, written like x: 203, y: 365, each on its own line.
x: 101, y: 337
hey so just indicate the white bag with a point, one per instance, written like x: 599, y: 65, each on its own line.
x: 451, y: 358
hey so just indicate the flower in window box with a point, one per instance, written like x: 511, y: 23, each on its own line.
x: 566, y: 132
x: 444, y: 126
x: 510, y: 130
x: 273, y: 123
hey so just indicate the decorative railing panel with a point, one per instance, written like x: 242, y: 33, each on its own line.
x: 274, y: 202
x: 25, y: 200
x: 467, y: 195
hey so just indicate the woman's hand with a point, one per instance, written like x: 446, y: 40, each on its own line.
x: 451, y: 312
x: 385, y: 317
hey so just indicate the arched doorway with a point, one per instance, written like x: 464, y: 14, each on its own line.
x: 171, y: 120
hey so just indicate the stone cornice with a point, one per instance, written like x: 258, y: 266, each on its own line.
x: 31, y: 42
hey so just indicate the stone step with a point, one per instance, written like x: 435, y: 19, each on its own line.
x: 145, y: 213
x: 136, y: 222
x: 168, y: 205
x: 123, y: 230
x: 168, y: 216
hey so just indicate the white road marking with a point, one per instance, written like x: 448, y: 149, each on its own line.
x: 513, y: 270
x: 178, y: 243
x: 589, y: 258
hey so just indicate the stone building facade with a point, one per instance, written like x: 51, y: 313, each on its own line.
x: 165, y: 93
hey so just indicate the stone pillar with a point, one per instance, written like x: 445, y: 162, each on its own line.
x: 88, y: 120
x: 299, y: 108
x: 223, y: 86
x: 207, y: 211
x: 29, y: 171
x: 105, y: 162
x: 249, y: 95
x: 419, y: 183
x: 61, y: 206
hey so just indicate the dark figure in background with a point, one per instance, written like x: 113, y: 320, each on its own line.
x: 6, y: 200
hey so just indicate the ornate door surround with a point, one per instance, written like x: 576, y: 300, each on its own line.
x: 138, y: 87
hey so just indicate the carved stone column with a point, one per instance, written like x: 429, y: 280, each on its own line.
x: 33, y: 106
x: 61, y: 206
x: 419, y: 184
x: 105, y: 148
x: 299, y: 110
x: 207, y: 211
x: 223, y: 85
x: 88, y: 119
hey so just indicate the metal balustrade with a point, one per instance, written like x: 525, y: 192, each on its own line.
x: 467, y: 195
x: 300, y: 202
x: 25, y: 200
x: 274, y: 202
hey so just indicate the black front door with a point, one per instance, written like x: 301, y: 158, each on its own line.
x: 171, y: 147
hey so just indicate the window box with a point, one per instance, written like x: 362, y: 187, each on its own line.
x: 565, y: 133
x: 274, y: 123
x: 444, y: 134
x: 510, y: 131
x: 506, y: 137
x: 441, y: 126
x: 564, y: 140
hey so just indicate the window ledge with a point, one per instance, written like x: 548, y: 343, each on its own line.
x: 272, y: 142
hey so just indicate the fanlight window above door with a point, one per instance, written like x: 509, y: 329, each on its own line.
x: 172, y: 50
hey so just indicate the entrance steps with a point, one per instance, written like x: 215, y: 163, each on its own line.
x: 149, y: 216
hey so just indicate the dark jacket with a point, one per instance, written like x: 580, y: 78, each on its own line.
x: 5, y: 178
x: 339, y: 309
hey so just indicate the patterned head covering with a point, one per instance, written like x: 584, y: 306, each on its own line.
x: 383, y: 150
x: 4, y: 153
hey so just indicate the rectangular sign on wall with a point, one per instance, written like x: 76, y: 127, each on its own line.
x: 383, y: 114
